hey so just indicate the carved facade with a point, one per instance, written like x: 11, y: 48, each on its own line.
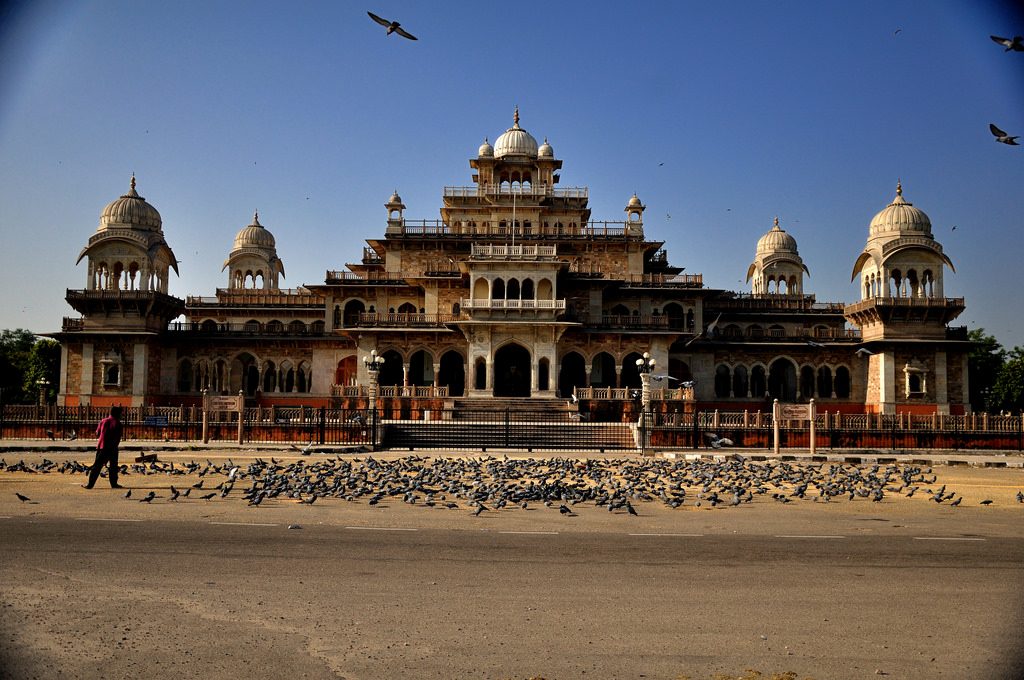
x: 515, y: 292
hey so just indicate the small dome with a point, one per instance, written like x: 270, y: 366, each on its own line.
x: 634, y: 202
x: 900, y: 217
x: 545, y: 150
x: 131, y: 210
x: 776, y: 240
x: 486, y: 150
x: 395, y: 199
x: 515, y: 141
x: 254, y: 235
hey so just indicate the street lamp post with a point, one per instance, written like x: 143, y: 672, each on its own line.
x: 43, y: 384
x: 373, y: 364
x: 644, y: 366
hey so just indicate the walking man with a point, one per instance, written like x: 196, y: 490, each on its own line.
x: 109, y: 438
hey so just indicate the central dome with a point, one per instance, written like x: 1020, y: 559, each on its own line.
x: 130, y: 210
x: 515, y: 141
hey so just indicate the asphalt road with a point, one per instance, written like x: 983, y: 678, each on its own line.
x: 95, y: 590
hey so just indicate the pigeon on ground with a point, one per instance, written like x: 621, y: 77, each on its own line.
x: 987, y: 501
x: 392, y: 26
x: 148, y: 497
x: 128, y: 494
x: 22, y: 497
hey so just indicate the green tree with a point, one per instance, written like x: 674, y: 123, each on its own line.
x: 15, y: 349
x: 1008, y: 390
x: 43, y: 365
x: 984, y: 364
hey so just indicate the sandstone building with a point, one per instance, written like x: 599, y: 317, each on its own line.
x: 515, y: 292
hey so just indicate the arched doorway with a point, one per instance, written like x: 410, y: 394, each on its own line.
x: 452, y: 373
x: 572, y: 374
x: 602, y: 371
x: 782, y: 380
x: 245, y: 374
x: 512, y: 371
x: 353, y: 308
x: 392, y: 372
x: 630, y: 371
x: 346, y: 372
x: 421, y: 369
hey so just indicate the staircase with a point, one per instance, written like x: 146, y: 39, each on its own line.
x: 522, y: 424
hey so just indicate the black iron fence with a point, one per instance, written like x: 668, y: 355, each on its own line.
x: 519, y: 428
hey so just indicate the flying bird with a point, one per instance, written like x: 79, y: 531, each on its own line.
x: 816, y: 345
x: 663, y: 376
x: 148, y: 498
x: 864, y: 352
x: 1015, y: 44
x: 392, y: 26
x: 706, y: 332
x: 1002, y: 136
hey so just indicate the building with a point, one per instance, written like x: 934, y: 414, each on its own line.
x: 515, y: 292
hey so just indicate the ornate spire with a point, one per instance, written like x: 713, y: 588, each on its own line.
x: 256, y: 219
x: 133, y: 182
x: 899, y: 187
x: 776, y: 225
x: 515, y: 117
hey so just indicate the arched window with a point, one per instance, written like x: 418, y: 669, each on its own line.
x: 269, y: 376
x: 824, y: 382
x: 806, y: 382
x: 498, y: 289
x: 758, y: 382
x: 739, y: 382
x: 842, y: 383
x: 722, y: 381
x: 185, y: 376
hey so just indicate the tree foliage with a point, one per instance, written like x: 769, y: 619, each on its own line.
x: 1008, y: 391
x: 24, y: 361
x: 984, y: 364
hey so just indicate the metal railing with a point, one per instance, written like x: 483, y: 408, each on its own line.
x: 404, y: 423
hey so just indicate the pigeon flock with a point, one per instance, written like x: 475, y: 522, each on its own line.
x: 490, y: 484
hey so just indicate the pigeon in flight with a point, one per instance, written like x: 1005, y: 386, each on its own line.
x: 1002, y: 136
x: 864, y: 352
x: 663, y: 376
x: 392, y: 26
x: 815, y: 345
x: 1015, y: 44
x: 148, y: 498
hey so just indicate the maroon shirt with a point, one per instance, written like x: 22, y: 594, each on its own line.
x: 109, y: 433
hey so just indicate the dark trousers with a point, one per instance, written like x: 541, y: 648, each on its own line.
x: 104, y: 457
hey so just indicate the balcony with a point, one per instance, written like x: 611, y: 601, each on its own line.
x: 513, y: 252
x: 392, y: 391
x: 250, y: 297
x: 626, y: 322
x: 471, y: 304
x: 402, y: 320
x: 211, y: 328
x: 530, y: 192
x: 774, y: 303
x: 664, y: 281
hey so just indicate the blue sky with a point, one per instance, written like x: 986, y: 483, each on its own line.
x: 309, y: 113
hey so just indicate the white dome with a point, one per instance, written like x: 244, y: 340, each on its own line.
x: 131, y: 210
x: 545, y: 150
x: 486, y: 150
x: 515, y: 141
x: 900, y: 217
x: 254, y: 235
x: 776, y: 241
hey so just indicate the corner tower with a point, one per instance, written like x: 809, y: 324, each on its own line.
x: 902, y: 304
x: 110, y: 355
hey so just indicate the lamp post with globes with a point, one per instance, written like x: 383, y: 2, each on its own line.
x: 644, y: 366
x: 373, y: 364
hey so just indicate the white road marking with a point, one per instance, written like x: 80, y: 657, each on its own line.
x: 106, y: 519
x: 947, y: 538
x: 806, y: 536
x: 540, y: 533
x: 245, y: 524
x: 383, y: 528
x: 685, y: 535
